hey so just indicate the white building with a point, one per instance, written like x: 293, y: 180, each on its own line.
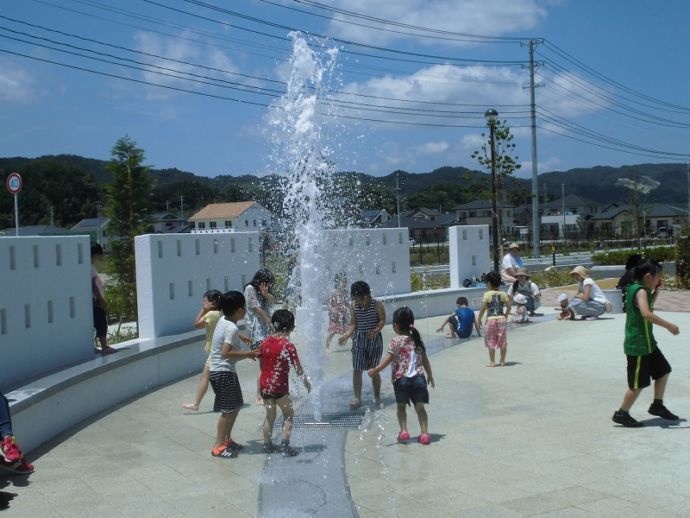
x: 241, y: 216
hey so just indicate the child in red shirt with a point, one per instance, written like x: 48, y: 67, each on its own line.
x: 277, y: 355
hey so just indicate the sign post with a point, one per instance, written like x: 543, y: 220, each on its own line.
x: 14, y: 186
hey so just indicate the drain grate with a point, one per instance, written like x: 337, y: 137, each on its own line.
x: 340, y: 420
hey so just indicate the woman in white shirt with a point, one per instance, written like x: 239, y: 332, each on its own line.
x: 590, y: 301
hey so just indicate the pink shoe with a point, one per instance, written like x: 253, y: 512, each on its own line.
x: 424, y: 439
x: 10, y: 450
x: 403, y: 436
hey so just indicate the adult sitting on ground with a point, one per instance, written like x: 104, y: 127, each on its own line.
x: 510, y: 264
x: 589, y: 302
x: 527, y: 288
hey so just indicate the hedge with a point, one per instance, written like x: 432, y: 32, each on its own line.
x: 660, y: 253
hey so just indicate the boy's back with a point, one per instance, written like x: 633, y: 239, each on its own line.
x: 465, y: 318
x: 277, y: 355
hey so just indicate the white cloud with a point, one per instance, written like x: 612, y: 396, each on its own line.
x: 431, y: 148
x: 181, y: 50
x: 490, y: 17
x: 16, y: 85
x: 472, y: 141
x: 550, y: 164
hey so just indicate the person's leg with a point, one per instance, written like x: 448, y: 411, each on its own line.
x: 492, y: 357
x: 201, y: 389
x: 530, y: 305
x: 356, y: 387
x: 269, y: 420
x: 376, y: 386
x: 285, y: 404
x: 5, y: 418
x: 423, y: 418
x: 629, y: 399
x: 660, y: 387
x: 503, y: 356
x: 329, y: 337
x: 401, y: 412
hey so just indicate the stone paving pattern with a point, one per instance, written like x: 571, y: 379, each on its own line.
x: 532, y: 438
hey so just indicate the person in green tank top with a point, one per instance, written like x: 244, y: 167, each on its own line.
x: 645, y: 360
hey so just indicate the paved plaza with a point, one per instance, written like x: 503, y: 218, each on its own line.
x: 532, y: 438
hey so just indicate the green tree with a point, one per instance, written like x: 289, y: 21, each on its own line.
x: 506, y: 164
x: 127, y: 205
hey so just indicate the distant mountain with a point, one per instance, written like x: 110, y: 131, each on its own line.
x: 595, y: 183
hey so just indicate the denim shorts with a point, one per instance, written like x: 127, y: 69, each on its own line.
x: 411, y: 390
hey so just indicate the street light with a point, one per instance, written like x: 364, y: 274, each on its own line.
x: 491, y: 116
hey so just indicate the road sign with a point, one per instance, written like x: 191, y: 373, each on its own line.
x: 14, y: 183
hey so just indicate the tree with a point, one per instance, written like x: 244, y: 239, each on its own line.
x: 505, y: 163
x: 127, y: 205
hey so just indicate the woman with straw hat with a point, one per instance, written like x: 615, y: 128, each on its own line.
x: 590, y: 301
x: 510, y: 264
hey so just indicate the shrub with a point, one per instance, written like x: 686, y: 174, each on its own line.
x: 616, y: 257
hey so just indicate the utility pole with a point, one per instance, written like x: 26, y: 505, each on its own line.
x: 563, y: 209
x: 687, y: 170
x: 397, y: 198
x: 182, y: 208
x: 536, y: 223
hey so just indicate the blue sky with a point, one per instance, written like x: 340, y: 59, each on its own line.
x: 611, y: 70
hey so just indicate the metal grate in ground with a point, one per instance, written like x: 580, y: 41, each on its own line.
x: 339, y: 420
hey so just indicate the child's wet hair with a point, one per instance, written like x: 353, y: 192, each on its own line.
x: 462, y: 301
x: 283, y: 320
x: 404, y: 319
x: 96, y: 249
x: 360, y: 289
x: 230, y: 302
x: 213, y: 296
x: 493, y: 278
x: 646, y: 266
x: 263, y: 275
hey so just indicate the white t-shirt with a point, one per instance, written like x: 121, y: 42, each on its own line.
x: 508, y: 262
x: 225, y: 332
x: 595, y: 292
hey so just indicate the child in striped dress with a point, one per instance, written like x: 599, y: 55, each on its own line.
x: 367, y: 318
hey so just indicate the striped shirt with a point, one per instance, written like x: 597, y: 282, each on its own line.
x: 366, y: 318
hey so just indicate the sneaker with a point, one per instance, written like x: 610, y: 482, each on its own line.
x: 625, y: 419
x: 269, y: 448
x: 286, y: 450
x: 234, y: 446
x: 404, y: 436
x: 10, y: 449
x: 661, y: 411
x: 21, y: 467
x: 425, y: 439
x: 223, y: 452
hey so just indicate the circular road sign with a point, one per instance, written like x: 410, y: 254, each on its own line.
x: 14, y: 183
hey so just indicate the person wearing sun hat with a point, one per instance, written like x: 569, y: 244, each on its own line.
x: 527, y: 288
x: 510, y: 264
x: 590, y: 301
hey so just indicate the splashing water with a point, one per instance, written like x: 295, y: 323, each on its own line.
x: 295, y: 120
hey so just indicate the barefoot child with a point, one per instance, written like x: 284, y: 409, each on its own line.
x: 461, y: 321
x: 407, y: 354
x: 338, y: 309
x: 645, y: 359
x: 227, y: 349
x: 496, y: 305
x: 207, y: 318
x: 277, y: 355
x: 260, y: 303
x: 367, y: 318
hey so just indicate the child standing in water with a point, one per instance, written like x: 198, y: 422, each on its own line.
x: 207, y: 318
x: 260, y: 303
x: 277, y: 355
x: 367, y: 318
x: 408, y: 355
x: 338, y: 309
x: 496, y: 305
x: 226, y: 350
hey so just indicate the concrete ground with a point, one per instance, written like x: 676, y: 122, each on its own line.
x: 532, y: 438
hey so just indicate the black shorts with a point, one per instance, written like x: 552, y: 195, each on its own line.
x: 411, y: 389
x: 642, y: 368
x: 226, y: 386
x: 100, y: 321
x: 271, y: 395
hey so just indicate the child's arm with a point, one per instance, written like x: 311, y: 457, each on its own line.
x: 228, y: 353
x: 199, y: 322
x: 481, y: 313
x: 381, y: 312
x: 427, y: 367
x: 294, y: 359
x: 508, y: 306
x: 476, y: 326
x: 643, y: 305
x: 351, y: 328
x: 384, y: 363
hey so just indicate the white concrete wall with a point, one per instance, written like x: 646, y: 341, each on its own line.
x: 468, y: 250
x: 378, y: 256
x: 174, y: 271
x: 46, y: 316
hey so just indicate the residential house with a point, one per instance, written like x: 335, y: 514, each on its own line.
x: 168, y: 223
x: 97, y: 228
x: 374, y: 218
x: 425, y: 225
x: 614, y: 220
x: 661, y: 218
x: 479, y: 212
x: 241, y: 216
